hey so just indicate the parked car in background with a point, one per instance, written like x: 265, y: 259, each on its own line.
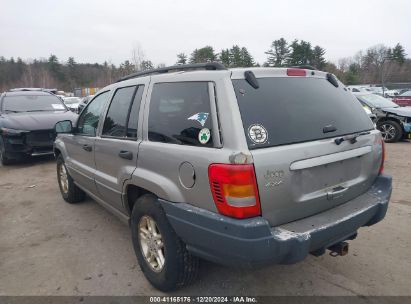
x: 358, y: 89
x: 370, y: 114
x: 72, y: 103
x: 27, y: 120
x: 391, y: 93
x: 204, y: 163
x: 403, y: 99
x: 393, y: 121
x: 84, y: 101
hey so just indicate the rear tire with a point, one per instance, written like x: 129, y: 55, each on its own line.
x: 180, y: 267
x: 391, y: 131
x: 3, y: 158
x: 69, y: 191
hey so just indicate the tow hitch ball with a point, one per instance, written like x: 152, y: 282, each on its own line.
x: 338, y: 249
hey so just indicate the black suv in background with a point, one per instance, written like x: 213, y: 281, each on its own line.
x: 27, y: 119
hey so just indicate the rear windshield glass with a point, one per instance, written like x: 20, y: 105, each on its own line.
x: 292, y: 110
x: 32, y: 103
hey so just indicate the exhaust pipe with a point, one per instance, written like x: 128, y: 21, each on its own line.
x: 338, y: 249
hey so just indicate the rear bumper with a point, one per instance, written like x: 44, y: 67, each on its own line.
x: 252, y: 242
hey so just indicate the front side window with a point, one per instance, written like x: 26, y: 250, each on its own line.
x: 89, y: 118
x: 180, y: 114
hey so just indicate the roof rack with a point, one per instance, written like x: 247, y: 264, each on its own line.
x: 305, y: 66
x: 182, y: 67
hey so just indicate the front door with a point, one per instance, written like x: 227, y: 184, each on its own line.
x: 80, y: 146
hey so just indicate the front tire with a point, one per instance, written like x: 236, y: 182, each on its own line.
x: 161, y: 254
x: 391, y: 131
x: 69, y: 191
x: 3, y: 158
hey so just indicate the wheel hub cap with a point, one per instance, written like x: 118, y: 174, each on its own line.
x: 387, y: 131
x: 151, y: 243
x: 63, y: 178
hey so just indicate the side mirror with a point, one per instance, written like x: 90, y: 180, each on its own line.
x: 65, y: 126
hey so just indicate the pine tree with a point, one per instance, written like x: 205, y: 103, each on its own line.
x: 225, y: 58
x: 246, y: 58
x: 205, y: 54
x: 182, y: 58
x: 279, y: 53
x: 398, y: 53
x: 147, y: 65
x: 318, y: 60
x: 235, y: 57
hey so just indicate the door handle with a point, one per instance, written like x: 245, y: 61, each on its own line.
x: 88, y: 148
x: 337, y: 192
x: 126, y: 155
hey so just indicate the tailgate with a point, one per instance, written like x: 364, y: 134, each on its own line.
x: 299, y: 180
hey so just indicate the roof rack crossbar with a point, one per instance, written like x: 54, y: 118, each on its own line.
x: 183, y: 67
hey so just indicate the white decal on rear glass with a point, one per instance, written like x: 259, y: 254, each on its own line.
x: 257, y: 133
x: 200, y: 117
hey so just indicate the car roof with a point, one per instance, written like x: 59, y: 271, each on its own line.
x: 28, y: 93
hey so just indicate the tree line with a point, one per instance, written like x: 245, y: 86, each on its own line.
x: 374, y: 65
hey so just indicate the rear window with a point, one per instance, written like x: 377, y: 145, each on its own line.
x: 291, y: 110
x: 180, y: 114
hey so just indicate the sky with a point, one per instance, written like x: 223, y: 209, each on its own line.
x: 100, y: 30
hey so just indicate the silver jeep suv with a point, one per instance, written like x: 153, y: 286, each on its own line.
x: 243, y: 167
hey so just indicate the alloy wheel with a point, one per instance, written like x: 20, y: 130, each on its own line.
x: 63, y: 178
x: 151, y: 243
x: 388, y: 131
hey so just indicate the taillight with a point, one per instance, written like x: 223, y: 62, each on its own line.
x: 382, y: 157
x: 296, y: 72
x: 234, y: 189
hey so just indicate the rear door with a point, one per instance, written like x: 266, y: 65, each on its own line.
x: 80, y: 146
x: 117, y: 149
x: 291, y: 124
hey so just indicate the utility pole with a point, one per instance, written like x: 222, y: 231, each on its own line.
x: 382, y: 74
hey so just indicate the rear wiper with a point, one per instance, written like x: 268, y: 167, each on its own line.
x: 352, y: 138
x: 11, y: 111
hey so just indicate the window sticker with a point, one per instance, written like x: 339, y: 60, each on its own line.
x: 57, y: 106
x: 257, y: 133
x: 200, y: 117
x: 204, y: 136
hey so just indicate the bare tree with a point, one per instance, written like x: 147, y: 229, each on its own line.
x: 137, y: 57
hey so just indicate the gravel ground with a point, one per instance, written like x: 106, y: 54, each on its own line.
x: 48, y: 247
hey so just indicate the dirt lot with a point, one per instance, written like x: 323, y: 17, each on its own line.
x: 48, y: 247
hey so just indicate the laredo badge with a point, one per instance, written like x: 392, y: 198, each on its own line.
x: 200, y: 117
x: 257, y: 133
x: 204, y: 136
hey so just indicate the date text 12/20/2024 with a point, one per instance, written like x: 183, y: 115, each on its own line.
x: 182, y: 299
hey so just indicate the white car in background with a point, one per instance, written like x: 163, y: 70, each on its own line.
x: 72, y: 103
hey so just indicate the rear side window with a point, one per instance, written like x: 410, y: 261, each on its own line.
x: 297, y: 109
x: 180, y: 114
x: 119, y: 115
